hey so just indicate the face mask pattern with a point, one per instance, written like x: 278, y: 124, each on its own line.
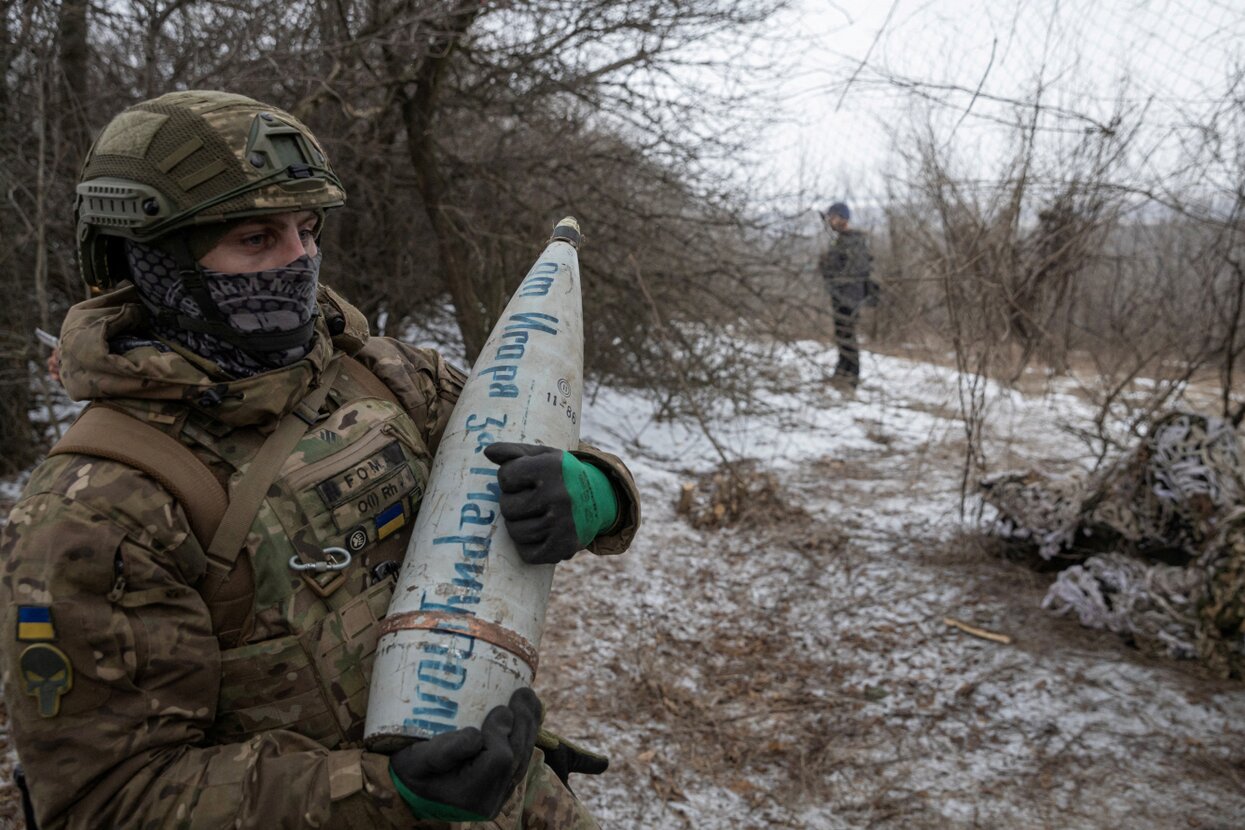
x: 273, y: 301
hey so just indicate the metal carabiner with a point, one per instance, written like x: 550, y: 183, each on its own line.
x: 332, y: 564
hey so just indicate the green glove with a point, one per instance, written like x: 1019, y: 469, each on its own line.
x: 554, y: 504
x: 467, y: 774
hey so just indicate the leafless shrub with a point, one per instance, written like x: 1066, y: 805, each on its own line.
x: 737, y: 494
x: 997, y: 261
x: 464, y: 130
x: 1063, y: 260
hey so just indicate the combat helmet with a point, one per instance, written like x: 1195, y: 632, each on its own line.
x: 192, y: 160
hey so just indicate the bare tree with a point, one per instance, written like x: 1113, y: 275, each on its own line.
x: 463, y: 130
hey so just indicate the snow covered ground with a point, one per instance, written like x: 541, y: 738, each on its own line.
x: 799, y: 673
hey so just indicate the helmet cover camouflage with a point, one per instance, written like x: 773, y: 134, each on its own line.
x: 192, y: 158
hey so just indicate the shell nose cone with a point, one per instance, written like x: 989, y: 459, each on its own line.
x: 567, y: 231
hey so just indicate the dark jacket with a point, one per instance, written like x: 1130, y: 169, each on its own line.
x: 846, y: 266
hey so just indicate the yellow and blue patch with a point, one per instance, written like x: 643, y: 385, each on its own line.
x: 34, y: 623
x: 389, y: 520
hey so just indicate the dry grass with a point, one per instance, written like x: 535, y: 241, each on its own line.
x: 737, y: 495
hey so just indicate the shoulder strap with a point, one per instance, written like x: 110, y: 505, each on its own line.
x: 250, y: 490
x: 218, y: 522
x: 368, y: 379
x: 104, y: 432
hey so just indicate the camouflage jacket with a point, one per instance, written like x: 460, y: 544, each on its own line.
x: 845, y: 265
x: 138, y: 700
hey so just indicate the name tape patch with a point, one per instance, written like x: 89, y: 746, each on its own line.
x: 362, y: 475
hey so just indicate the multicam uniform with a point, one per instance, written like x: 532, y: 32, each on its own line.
x: 140, y: 696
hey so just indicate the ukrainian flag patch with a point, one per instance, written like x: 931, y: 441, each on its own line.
x: 389, y: 520
x: 34, y: 623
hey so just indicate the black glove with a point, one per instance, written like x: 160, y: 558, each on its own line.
x: 467, y: 774
x: 564, y: 757
x: 554, y: 504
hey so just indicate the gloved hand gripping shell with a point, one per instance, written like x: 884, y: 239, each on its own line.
x: 554, y: 504
x: 467, y: 774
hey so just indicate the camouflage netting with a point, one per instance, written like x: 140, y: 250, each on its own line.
x: 1158, y: 538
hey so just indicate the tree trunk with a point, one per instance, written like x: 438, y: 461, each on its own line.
x: 19, y: 445
x: 73, y: 59
x: 473, y: 314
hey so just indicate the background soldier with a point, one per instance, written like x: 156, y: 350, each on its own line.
x: 160, y: 674
x: 845, y: 265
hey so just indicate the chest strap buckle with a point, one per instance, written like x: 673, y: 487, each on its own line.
x: 313, y: 572
x: 332, y: 563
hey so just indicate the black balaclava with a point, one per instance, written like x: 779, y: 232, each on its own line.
x: 274, y: 302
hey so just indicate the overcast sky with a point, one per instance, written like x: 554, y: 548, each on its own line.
x: 1171, y: 57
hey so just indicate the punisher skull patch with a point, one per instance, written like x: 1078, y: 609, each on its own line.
x: 48, y: 675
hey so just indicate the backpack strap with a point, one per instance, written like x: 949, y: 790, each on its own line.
x: 104, y: 432
x: 229, y: 591
x: 217, y: 521
x: 368, y: 379
x: 263, y: 470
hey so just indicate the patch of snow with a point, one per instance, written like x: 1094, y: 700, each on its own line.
x: 858, y: 706
x: 802, y: 675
